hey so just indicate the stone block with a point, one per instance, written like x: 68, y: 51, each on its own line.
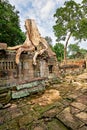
x: 16, y: 113
x: 82, y: 116
x: 3, y: 46
x: 68, y: 119
x: 19, y: 94
x: 78, y: 105
x: 28, y: 85
x: 25, y: 120
x: 83, y: 128
x: 82, y: 99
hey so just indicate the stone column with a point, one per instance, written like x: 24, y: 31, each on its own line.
x: 43, y: 69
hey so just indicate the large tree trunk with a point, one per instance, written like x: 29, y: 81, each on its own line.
x: 33, y: 41
x: 65, y: 49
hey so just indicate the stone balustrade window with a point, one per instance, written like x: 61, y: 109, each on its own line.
x: 7, y: 65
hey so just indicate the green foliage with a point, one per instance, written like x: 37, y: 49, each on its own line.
x: 73, y: 48
x: 67, y: 20
x: 58, y: 48
x: 71, y: 20
x: 74, y: 51
x: 84, y: 7
x: 81, y: 53
x: 10, y: 31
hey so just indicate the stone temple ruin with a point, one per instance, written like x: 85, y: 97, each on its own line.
x: 25, y: 68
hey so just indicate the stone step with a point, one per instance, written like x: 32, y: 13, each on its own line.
x: 3, y: 90
x: 30, y: 85
x: 2, y: 101
x: 2, y: 95
x: 5, y: 97
x: 27, y: 92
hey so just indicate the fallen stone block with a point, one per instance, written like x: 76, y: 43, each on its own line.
x: 78, y: 105
x: 82, y: 116
x: 68, y: 119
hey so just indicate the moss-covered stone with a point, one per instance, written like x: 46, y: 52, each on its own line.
x: 56, y: 125
x: 19, y: 94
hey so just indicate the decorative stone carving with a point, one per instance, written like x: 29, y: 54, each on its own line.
x: 33, y: 43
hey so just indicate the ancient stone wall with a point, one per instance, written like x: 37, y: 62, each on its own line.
x: 73, y: 66
x: 11, y: 73
x: 30, y: 77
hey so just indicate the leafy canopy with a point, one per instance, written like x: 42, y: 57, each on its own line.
x: 10, y: 31
x: 71, y: 20
x: 74, y: 51
x: 67, y: 20
x: 73, y: 48
x: 58, y: 49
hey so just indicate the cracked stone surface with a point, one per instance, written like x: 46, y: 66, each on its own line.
x: 61, y: 107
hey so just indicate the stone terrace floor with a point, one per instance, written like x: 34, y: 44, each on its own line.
x: 62, y: 107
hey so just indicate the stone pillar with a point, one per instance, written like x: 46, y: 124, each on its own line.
x: 28, y: 73
x: 43, y: 69
x: 31, y: 69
